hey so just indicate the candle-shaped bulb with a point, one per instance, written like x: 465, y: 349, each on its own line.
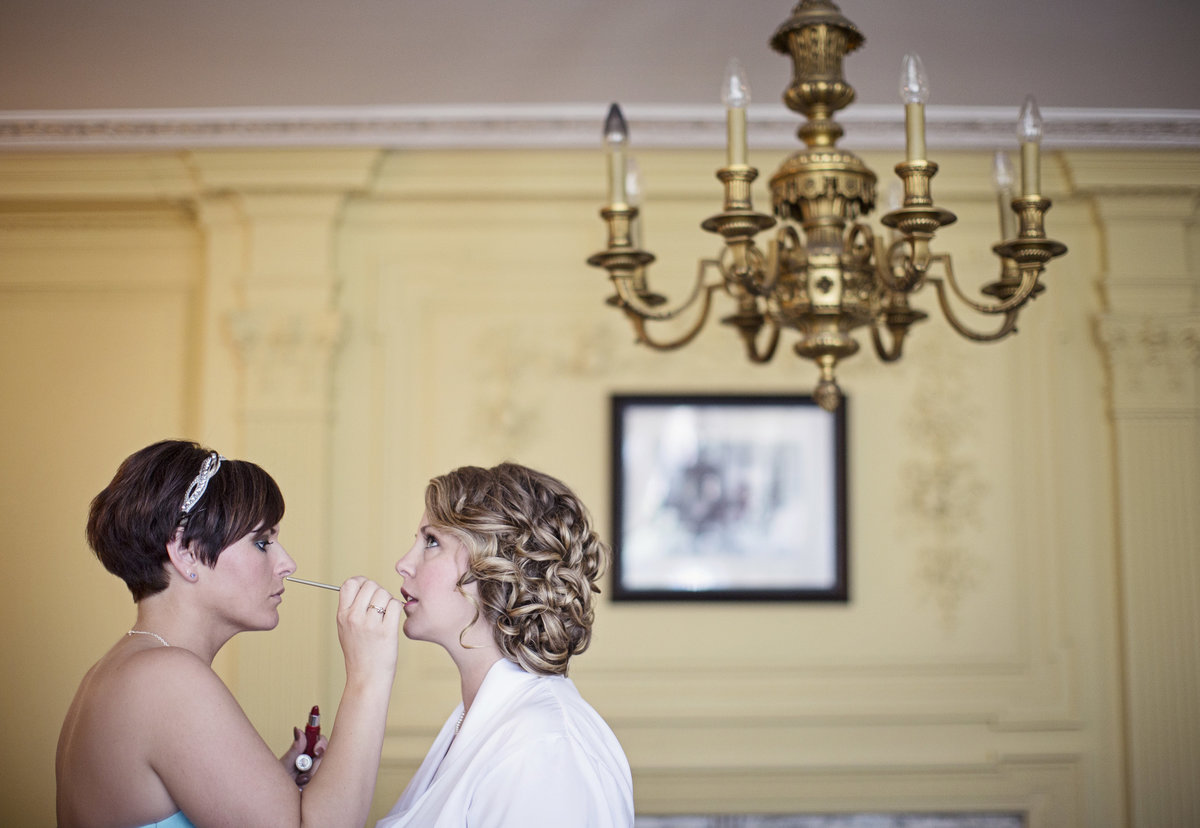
x: 1029, y: 124
x: 616, y: 136
x: 1029, y: 130
x: 633, y: 183
x: 1002, y: 177
x: 914, y: 85
x: 1002, y: 172
x: 735, y: 91
x: 616, y: 131
x: 633, y: 197
x: 914, y: 91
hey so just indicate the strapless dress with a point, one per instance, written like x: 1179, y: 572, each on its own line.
x: 175, y: 820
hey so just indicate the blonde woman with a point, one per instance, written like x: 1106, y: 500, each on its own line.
x: 153, y: 737
x: 502, y: 576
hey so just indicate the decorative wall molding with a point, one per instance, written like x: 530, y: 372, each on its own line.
x: 1154, y: 359
x: 568, y: 126
x: 945, y: 491
x: 287, y: 358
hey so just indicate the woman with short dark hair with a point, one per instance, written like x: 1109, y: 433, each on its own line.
x: 153, y: 737
x: 502, y: 575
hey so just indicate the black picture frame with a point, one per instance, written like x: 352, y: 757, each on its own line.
x: 720, y: 497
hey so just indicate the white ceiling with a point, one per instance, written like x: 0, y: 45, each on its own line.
x: 137, y: 54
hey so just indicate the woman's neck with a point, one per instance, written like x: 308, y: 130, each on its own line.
x: 180, y: 624
x: 473, y: 667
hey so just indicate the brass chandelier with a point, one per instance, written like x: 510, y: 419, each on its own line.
x: 825, y: 273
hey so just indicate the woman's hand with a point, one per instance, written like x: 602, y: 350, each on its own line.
x: 288, y: 760
x: 368, y: 621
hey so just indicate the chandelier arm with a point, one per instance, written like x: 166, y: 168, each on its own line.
x: 896, y: 277
x: 752, y: 351
x: 643, y: 337
x: 775, y: 255
x: 1008, y: 326
x: 881, y: 350
x: 1029, y: 279
x: 749, y: 277
x: 860, y: 240
x: 632, y: 304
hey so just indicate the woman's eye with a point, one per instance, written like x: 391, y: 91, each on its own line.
x: 262, y: 544
x: 430, y: 541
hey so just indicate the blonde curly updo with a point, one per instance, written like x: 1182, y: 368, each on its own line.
x: 533, y: 556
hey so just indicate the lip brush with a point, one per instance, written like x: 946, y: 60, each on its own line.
x: 312, y: 583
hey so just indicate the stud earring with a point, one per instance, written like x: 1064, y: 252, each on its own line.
x: 192, y: 575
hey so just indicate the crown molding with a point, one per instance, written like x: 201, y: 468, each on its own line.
x: 567, y: 126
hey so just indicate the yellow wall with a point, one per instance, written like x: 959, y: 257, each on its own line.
x: 358, y: 321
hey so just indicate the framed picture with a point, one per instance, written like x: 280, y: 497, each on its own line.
x: 728, y: 498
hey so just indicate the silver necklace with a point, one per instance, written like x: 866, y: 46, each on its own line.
x: 457, y: 726
x: 160, y: 638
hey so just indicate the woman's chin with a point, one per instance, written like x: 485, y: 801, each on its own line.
x: 266, y: 624
x: 412, y: 631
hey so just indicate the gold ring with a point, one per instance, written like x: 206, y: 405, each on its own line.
x: 380, y: 610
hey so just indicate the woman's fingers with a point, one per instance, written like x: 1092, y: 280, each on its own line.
x: 299, y: 742
x: 368, y: 626
x: 382, y: 603
x: 360, y: 595
x: 349, y: 591
x: 318, y: 751
x: 368, y: 631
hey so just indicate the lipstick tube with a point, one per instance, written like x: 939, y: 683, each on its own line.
x: 312, y: 732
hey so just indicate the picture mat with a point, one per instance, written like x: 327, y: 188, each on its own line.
x: 727, y: 496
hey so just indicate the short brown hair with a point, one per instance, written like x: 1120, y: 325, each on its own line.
x: 533, y: 555
x: 133, y: 519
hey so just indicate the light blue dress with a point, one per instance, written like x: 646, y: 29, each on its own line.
x: 175, y: 820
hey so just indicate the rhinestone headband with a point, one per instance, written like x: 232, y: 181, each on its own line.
x: 196, y: 490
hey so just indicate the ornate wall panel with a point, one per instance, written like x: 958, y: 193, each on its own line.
x: 1022, y: 542
x: 1151, y: 337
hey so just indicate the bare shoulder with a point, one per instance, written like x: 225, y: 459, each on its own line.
x: 166, y: 706
x: 140, y: 695
x: 145, y: 674
x: 167, y: 664
x: 147, y: 677
x: 163, y: 679
x: 120, y: 727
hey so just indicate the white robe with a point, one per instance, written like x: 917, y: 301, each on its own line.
x: 531, y: 753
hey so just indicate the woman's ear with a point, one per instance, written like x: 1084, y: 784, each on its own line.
x: 182, y: 558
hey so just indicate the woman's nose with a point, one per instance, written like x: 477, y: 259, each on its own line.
x: 403, y: 566
x: 288, y: 566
